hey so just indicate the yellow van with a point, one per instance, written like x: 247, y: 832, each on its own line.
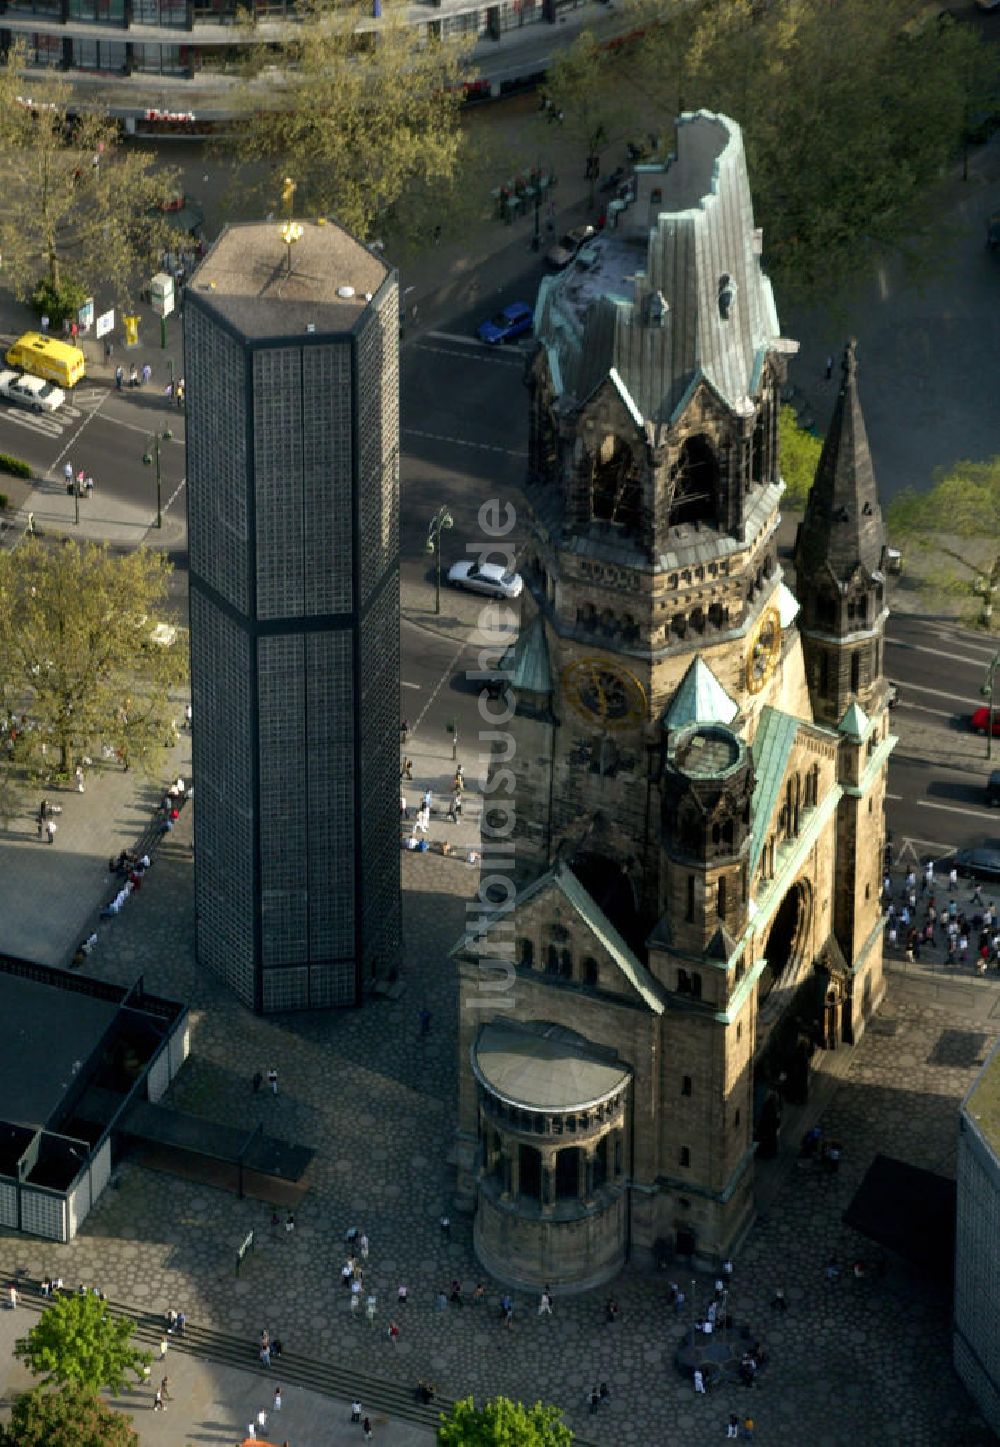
x: 45, y: 357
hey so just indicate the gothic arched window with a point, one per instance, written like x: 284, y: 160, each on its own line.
x: 695, y: 483
x: 616, y: 491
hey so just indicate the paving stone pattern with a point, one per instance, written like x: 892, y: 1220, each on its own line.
x: 867, y: 1361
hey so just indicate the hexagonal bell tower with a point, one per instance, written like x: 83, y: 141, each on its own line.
x: 696, y: 954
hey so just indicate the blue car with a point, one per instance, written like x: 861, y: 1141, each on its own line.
x: 514, y: 321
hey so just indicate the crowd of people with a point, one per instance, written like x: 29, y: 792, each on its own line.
x: 919, y: 921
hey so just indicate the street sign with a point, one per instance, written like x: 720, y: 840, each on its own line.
x: 105, y: 323
x: 85, y: 316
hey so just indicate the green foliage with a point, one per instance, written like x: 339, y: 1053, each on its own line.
x: 799, y: 450
x: 77, y: 199
x: 77, y: 1341
x: 847, y: 122
x: 14, y: 466
x: 503, y: 1423
x: 68, y: 1417
x: 76, y: 656
x: 964, y: 501
x: 58, y: 302
x: 583, y: 84
x: 362, y: 128
x: 4, y: 502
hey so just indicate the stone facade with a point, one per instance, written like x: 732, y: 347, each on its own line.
x: 977, y: 1231
x: 685, y: 815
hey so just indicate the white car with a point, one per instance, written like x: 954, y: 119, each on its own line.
x: 33, y: 392
x: 487, y: 578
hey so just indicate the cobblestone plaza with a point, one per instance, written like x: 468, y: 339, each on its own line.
x: 864, y: 1360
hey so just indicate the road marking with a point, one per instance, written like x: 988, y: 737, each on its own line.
x: 897, y: 797
x: 487, y: 354
x: 134, y: 427
x: 923, y: 708
x: 934, y: 692
x: 47, y: 426
x: 462, y: 442
x: 445, y: 677
x: 85, y: 423
x: 938, y: 653
x: 954, y: 809
x: 173, y: 495
x: 454, y: 337
x: 404, y: 684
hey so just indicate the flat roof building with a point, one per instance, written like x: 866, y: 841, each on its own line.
x: 292, y: 371
x: 977, y: 1243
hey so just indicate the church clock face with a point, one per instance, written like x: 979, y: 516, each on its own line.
x: 764, y: 650
x: 610, y: 696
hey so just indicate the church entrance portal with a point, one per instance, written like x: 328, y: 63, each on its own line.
x: 786, y: 938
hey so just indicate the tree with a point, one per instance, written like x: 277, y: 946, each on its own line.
x: 584, y: 94
x: 800, y: 450
x: 80, y: 207
x: 848, y: 115
x: 68, y: 1417
x: 365, y: 118
x: 77, y: 1342
x: 503, y: 1423
x: 77, y: 655
x: 955, y: 525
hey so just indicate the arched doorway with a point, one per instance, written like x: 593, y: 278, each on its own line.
x: 786, y: 938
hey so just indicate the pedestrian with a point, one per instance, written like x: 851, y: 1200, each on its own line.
x: 258, y: 1081
x: 277, y: 1399
x: 158, y: 1401
x: 406, y: 769
x: 147, y: 373
x: 402, y: 1295
x: 404, y: 729
x: 778, y: 1299
x: 68, y: 475
x: 119, y: 376
x: 441, y: 1301
x: 187, y: 716
x: 88, y: 487
x: 425, y: 1022
x: 366, y: 1428
x: 13, y: 1297
x: 289, y: 1223
x: 262, y: 1418
x: 829, y: 368
x: 272, y: 1080
x: 456, y: 1292
x: 545, y: 1303
x: 595, y: 1400
x: 748, y: 1429
x: 699, y: 1382
x: 508, y: 1316
x: 109, y: 350
x: 133, y: 375
x: 733, y: 1429
x: 455, y: 808
x: 393, y: 1333
x: 404, y: 808
x: 164, y: 1347
x: 480, y: 1293
x: 427, y: 801
x: 953, y: 878
x: 265, y: 1354
x: 446, y: 1227
x: 165, y: 1389
x: 78, y: 776
x: 355, y: 1411
x: 422, y: 821
x: 363, y: 1246
x: 252, y: 1431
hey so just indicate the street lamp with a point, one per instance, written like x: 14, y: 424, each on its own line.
x: 987, y: 691
x: 441, y: 521
x: 152, y: 456
x: 291, y: 232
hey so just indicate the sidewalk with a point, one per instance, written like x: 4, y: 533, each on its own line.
x: 210, y: 1402
x: 50, y: 895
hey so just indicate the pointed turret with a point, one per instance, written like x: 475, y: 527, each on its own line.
x: 839, y: 563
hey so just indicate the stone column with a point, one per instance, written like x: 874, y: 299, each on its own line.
x: 513, y: 1154
x: 588, y: 1153
x: 548, y: 1191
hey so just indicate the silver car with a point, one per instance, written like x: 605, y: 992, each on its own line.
x: 488, y: 578
x: 33, y: 392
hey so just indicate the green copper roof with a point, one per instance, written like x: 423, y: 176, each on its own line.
x: 526, y: 661
x: 700, y: 698
x: 855, y: 722
x: 631, y: 967
x: 771, y: 748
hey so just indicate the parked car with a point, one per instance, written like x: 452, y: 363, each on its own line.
x: 982, y: 863
x: 993, y: 788
x: 506, y: 326
x: 33, y: 392
x: 487, y: 578
x: 980, y: 721
x: 567, y: 246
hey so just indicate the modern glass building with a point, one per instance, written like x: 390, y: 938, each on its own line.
x: 293, y: 488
